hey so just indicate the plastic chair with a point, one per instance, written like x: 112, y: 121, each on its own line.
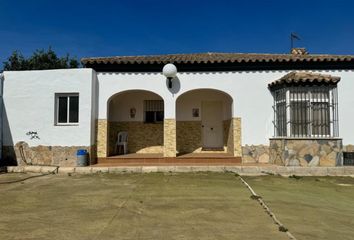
x: 122, y: 141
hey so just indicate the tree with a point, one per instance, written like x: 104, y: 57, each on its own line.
x: 40, y: 59
x: 15, y: 62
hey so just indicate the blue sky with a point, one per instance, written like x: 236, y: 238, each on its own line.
x: 106, y: 28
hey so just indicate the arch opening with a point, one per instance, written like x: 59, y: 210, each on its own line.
x: 140, y: 113
x: 204, y: 122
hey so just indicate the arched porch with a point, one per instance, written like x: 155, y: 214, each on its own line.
x: 205, y: 123
x: 202, y: 127
x: 140, y: 113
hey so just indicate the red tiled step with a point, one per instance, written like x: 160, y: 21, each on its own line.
x: 170, y: 161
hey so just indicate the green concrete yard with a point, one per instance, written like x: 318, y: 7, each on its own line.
x: 311, y: 207
x: 173, y: 206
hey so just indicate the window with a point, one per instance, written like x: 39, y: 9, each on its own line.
x: 280, y: 105
x: 348, y: 158
x: 306, y: 111
x: 299, y: 112
x: 320, y: 118
x: 67, y: 108
x: 153, y: 111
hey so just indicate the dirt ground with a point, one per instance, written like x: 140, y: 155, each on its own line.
x: 173, y: 206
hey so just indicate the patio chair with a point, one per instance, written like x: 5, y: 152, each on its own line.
x: 122, y: 142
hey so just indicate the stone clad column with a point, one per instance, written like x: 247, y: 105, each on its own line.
x: 169, y: 137
x: 234, y: 146
x: 102, y: 137
x: 236, y: 123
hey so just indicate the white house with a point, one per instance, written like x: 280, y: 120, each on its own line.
x: 289, y: 109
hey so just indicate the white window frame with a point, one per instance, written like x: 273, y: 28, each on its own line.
x: 68, y: 95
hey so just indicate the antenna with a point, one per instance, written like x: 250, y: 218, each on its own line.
x: 293, y: 36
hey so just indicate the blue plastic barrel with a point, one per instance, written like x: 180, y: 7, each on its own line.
x: 82, y: 158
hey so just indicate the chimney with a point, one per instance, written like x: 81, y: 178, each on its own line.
x: 299, y: 51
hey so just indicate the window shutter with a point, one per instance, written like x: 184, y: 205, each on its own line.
x: 153, y: 105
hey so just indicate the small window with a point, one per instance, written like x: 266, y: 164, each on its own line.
x: 153, y: 111
x: 348, y: 158
x: 67, y: 108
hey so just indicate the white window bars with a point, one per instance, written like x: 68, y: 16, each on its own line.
x: 306, y: 112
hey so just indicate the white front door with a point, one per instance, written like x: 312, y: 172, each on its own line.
x: 212, y: 126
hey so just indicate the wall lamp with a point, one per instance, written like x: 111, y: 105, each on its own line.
x: 169, y: 71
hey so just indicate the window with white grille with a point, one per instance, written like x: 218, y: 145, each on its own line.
x: 153, y: 111
x: 306, y: 111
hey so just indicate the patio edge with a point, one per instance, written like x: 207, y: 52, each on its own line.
x: 241, y: 170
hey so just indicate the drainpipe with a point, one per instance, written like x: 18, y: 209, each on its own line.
x: 2, y: 78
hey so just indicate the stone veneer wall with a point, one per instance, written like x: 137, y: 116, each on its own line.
x: 42, y: 155
x: 255, y: 154
x: 181, y: 136
x: 189, y: 136
x: 306, y: 152
x: 169, y: 131
x: 101, y: 134
x: 142, y: 137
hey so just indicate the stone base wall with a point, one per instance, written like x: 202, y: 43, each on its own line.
x: 306, y: 152
x: 348, y: 148
x: 182, y: 136
x: 142, y: 137
x: 255, y: 154
x: 189, y: 136
x: 43, y: 155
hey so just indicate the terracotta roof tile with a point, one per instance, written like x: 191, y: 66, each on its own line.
x: 216, y: 58
x: 298, y: 78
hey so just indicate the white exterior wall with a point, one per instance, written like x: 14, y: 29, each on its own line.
x: 29, y: 101
x: 252, y: 100
x: 346, y: 105
x: 94, y: 106
x: 193, y: 99
x: 121, y: 104
x: 29, y: 105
